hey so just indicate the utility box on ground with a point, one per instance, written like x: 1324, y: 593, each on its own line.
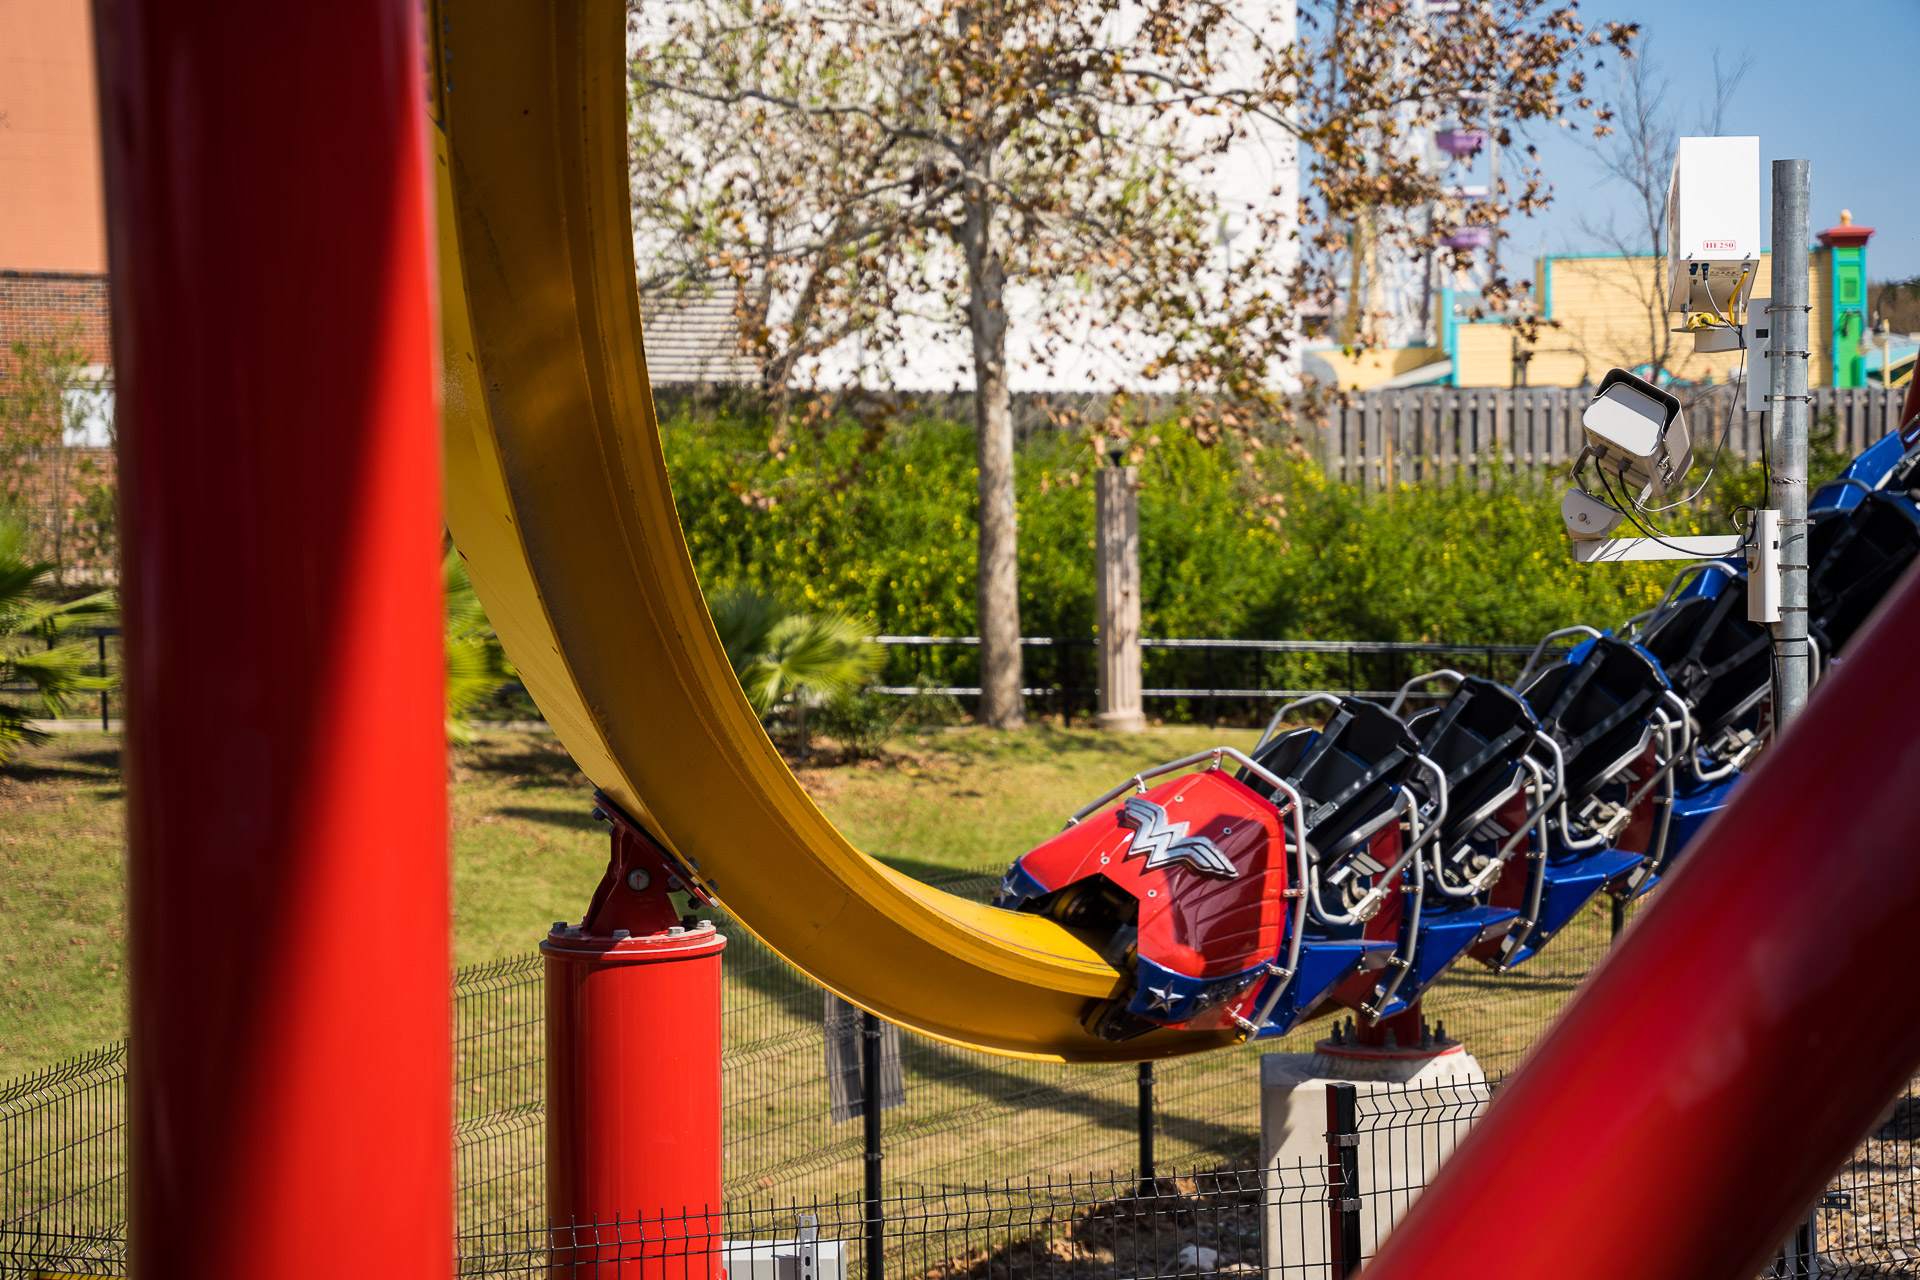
x: 1410, y: 1118
x: 785, y: 1259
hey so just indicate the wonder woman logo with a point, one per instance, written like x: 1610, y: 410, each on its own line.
x: 1164, y: 842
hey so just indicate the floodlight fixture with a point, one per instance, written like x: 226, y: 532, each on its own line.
x: 1637, y: 432
x: 1586, y: 516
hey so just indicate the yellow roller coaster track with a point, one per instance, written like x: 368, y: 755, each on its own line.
x: 557, y: 495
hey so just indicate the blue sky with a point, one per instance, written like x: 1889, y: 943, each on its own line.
x: 1836, y: 90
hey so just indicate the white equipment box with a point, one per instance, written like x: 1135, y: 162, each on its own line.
x: 785, y: 1259
x: 1713, y: 225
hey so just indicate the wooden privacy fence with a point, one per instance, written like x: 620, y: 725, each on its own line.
x: 1383, y: 438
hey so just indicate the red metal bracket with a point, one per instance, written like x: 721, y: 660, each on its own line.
x: 641, y: 874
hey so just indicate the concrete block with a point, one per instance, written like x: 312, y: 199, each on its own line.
x: 1412, y: 1113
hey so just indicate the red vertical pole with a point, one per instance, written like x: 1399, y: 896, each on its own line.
x: 275, y: 351
x: 1744, y: 1034
x: 633, y: 1078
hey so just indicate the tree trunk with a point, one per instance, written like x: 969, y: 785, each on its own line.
x: 1116, y: 596
x: 998, y: 584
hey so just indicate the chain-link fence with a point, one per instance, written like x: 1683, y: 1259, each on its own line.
x: 993, y: 1167
x: 1198, y: 1224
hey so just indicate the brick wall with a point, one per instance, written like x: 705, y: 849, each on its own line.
x: 43, y: 304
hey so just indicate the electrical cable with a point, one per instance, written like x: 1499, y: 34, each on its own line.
x: 1726, y: 431
x: 1637, y: 523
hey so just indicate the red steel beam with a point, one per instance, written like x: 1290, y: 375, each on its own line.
x: 1686, y: 1111
x: 275, y: 352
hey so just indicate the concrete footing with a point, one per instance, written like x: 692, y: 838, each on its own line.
x: 1414, y: 1108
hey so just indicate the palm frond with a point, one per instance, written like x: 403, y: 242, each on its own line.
x: 31, y: 628
x: 15, y: 732
x: 811, y: 656
x: 745, y: 617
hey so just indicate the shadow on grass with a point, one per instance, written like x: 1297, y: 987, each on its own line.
x: 527, y: 766
x: 1507, y: 985
x: 954, y: 1084
x: 70, y: 769
x: 943, y: 875
x: 580, y: 819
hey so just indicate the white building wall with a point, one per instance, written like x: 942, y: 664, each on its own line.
x: 1256, y: 178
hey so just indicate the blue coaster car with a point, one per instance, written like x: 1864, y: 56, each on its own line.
x: 1720, y: 664
x: 1872, y: 469
x: 1352, y: 776
x: 1479, y: 738
x: 1600, y: 711
x: 1855, y: 556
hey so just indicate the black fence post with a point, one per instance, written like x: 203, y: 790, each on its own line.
x: 870, y: 1109
x: 1343, y: 1181
x: 1796, y: 1258
x: 1148, y: 1183
x: 101, y: 635
x: 1060, y: 684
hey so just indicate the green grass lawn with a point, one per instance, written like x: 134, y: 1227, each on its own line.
x: 525, y: 850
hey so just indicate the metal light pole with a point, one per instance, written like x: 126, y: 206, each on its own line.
x: 1788, y: 399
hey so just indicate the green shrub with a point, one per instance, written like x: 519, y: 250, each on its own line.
x: 1233, y: 544
x: 43, y: 659
x: 861, y: 721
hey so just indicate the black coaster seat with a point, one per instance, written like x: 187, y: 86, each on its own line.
x: 1477, y: 737
x: 1595, y: 705
x: 1854, y: 558
x: 1349, y: 774
x: 1712, y: 655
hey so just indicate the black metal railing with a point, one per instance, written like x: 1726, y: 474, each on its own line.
x: 795, y: 1122
x: 1195, y: 679
x: 1033, y: 1181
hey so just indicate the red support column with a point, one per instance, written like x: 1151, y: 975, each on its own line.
x: 633, y: 1077
x: 1746, y: 1032
x: 275, y: 352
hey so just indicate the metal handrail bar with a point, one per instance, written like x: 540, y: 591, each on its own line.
x: 1273, y: 725
x: 1558, y: 793
x: 1272, y: 646
x: 1365, y: 908
x: 1537, y: 882
x: 1444, y: 673
x: 1580, y: 628
x: 1633, y: 624
x: 1410, y: 929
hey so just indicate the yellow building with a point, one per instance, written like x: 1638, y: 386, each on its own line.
x: 1599, y: 311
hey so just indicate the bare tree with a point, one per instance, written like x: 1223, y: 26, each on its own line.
x: 1638, y: 155
x: 875, y: 173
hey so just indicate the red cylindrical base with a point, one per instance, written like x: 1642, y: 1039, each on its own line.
x: 633, y: 1103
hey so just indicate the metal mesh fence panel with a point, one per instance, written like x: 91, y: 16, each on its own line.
x: 500, y: 1089
x: 1198, y: 1224
x: 995, y: 1169
x: 63, y: 1134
